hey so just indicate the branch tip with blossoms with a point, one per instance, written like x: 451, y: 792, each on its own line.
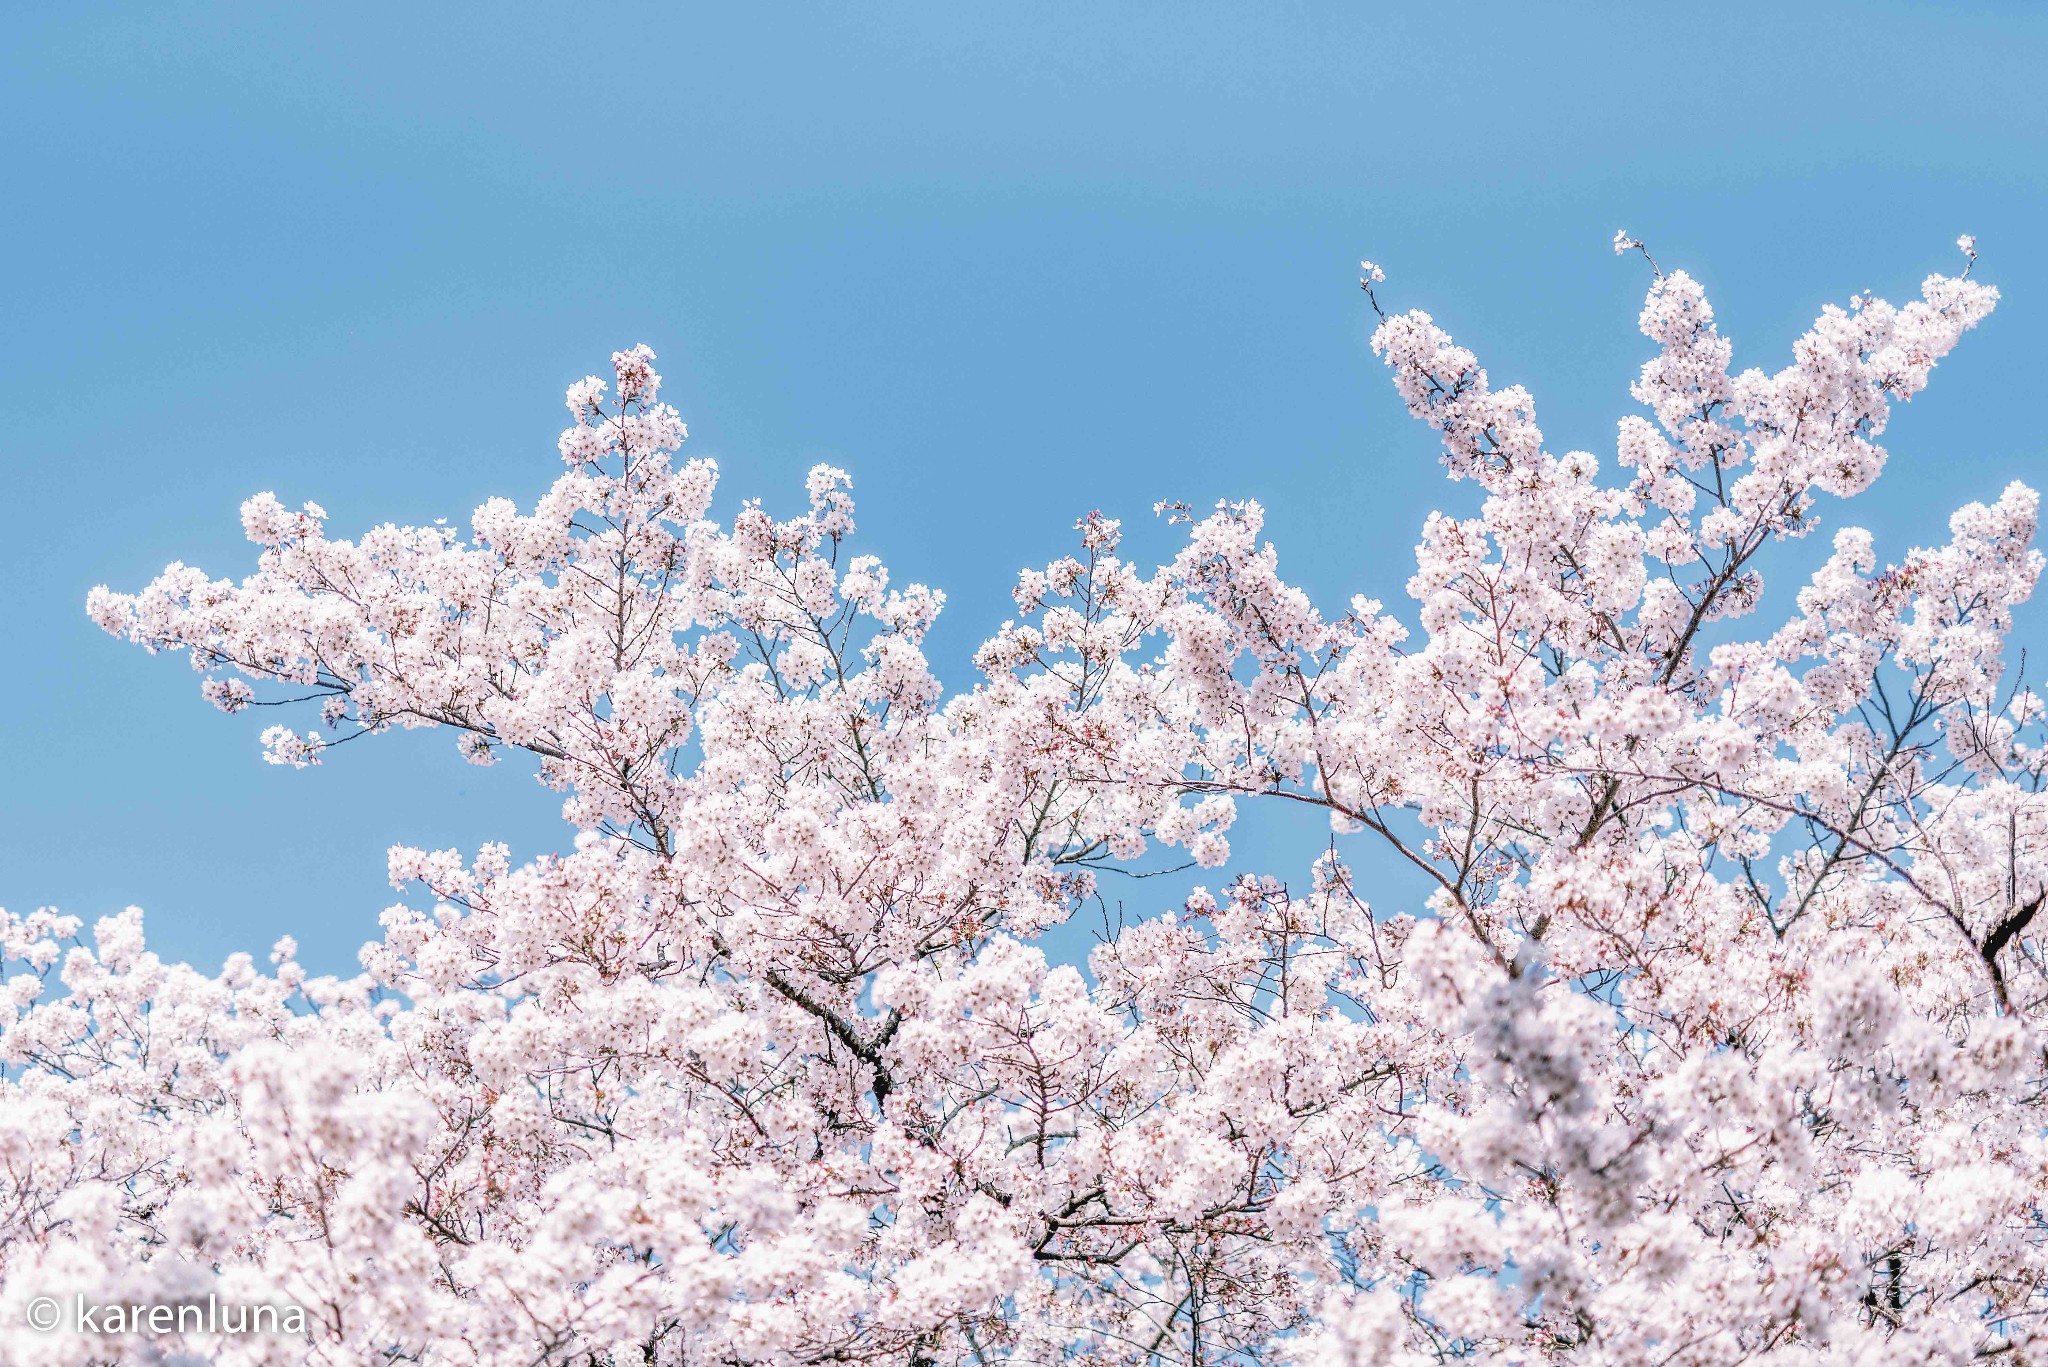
x: 1369, y: 275
x: 1624, y: 244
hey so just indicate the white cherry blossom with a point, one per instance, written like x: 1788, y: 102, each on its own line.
x: 1718, y: 1038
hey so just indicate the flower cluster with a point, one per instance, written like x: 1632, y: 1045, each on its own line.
x: 1718, y: 1038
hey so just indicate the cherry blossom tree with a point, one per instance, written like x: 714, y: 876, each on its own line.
x: 1718, y: 1037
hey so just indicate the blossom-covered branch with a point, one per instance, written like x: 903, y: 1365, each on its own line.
x: 1717, y: 1037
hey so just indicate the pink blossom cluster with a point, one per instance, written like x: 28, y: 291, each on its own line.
x: 1719, y: 1037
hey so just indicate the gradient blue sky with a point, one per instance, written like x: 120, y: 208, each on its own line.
x: 1004, y: 264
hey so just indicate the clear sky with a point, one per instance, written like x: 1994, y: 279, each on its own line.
x: 1003, y: 263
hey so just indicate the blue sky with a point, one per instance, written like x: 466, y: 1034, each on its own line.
x: 1003, y: 264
